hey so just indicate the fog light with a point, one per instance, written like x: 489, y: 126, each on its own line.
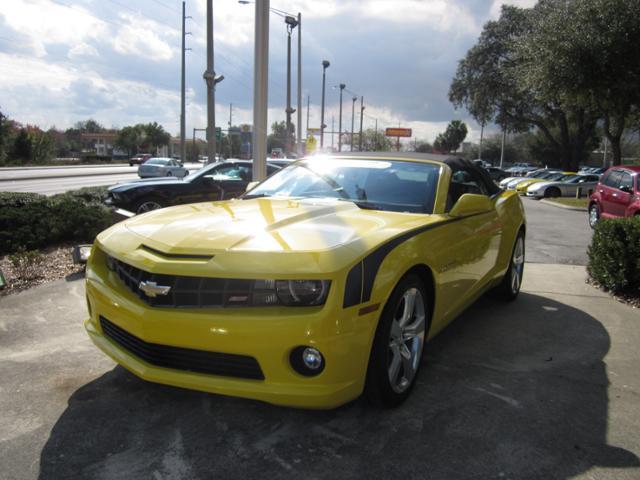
x: 81, y: 253
x: 307, y: 361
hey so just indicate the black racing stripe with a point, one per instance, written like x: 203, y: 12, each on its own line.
x: 353, y: 287
x: 373, y: 261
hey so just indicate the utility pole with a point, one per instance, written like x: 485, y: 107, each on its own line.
x: 376, y: 137
x: 325, y: 65
x: 260, y: 89
x: 353, y: 112
x: 342, y: 87
x: 211, y: 79
x: 361, y: 115
x: 481, y: 137
x: 229, y: 130
x: 504, y: 136
x: 291, y: 23
x: 333, y: 128
x: 299, y: 125
x: 308, y: 103
x: 183, y: 144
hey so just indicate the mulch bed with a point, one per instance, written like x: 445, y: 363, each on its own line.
x: 630, y: 298
x: 55, y: 263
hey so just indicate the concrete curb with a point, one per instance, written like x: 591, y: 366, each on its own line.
x: 559, y: 205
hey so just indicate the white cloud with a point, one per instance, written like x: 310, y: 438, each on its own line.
x: 82, y: 50
x: 139, y: 37
x: 46, y: 23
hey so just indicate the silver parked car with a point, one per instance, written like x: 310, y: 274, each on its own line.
x: 162, y: 167
x: 567, y: 188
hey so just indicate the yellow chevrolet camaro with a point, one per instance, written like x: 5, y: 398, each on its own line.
x: 321, y: 283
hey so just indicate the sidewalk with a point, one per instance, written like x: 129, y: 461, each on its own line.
x: 543, y: 387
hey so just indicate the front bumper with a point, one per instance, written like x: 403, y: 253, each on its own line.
x: 266, y: 334
x: 535, y: 193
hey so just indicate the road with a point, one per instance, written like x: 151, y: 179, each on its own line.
x: 556, y: 235
x: 52, y: 180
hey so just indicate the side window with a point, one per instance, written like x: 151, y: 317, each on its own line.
x: 612, y: 179
x: 463, y: 181
x: 626, y: 180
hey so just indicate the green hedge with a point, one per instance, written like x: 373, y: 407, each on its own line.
x: 614, y: 254
x: 29, y: 221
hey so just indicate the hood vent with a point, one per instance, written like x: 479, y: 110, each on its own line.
x: 177, y: 256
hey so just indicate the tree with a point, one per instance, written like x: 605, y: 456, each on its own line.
x: 129, y: 139
x: 497, y: 74
x: 423, y: 147
x: 583, y: 52
x: 278, y: 136
x: 153, y: 135
x: 452, y: 138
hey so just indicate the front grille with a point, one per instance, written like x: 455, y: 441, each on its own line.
x: 201, y: 361
x: 195, y: 292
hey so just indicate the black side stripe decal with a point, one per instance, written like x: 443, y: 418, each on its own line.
x: 361, y: 277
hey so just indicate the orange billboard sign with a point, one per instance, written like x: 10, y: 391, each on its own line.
x: 397, y: 132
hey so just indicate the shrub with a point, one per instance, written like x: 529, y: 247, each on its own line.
x: 614, y: 254
x: 25, y: 263
x: 29, y: 221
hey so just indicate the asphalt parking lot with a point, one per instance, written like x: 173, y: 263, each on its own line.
x: 542, y: 388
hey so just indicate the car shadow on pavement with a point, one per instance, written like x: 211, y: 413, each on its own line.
x: 513, y: 390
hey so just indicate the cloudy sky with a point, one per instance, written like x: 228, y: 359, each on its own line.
x: 118, y: 61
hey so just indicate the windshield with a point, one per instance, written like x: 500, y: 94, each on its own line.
x: 397, y: 186
x: 203, y: 171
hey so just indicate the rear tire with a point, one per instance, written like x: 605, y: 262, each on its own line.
x: 398, y: 345
x: 169, y: 174
x: 509, y: 287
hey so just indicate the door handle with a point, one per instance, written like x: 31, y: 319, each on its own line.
x: 615, y: 195
x: 600, y: 191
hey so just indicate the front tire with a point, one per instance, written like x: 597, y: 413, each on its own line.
x: 552, y: 192
x: 398, y: 346
x: 509, y: 287
x: 147, y: 205
x: 594, y: 215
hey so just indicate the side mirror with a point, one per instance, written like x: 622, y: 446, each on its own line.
x: 251, y: 185
x: 471, y: 204
x: 181, y: 164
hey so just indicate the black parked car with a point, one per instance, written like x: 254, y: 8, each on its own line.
x: 218, y: 181
x: 497, y: 174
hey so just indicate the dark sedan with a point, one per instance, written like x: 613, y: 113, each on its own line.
x: 217, y: 181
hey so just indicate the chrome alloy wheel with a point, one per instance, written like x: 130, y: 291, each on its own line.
x: 148, y: 206
x: 406, y: 340
x: 517, y: 265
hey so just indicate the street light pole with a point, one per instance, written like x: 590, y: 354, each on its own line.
x: 325, y: 65
x: 361, y: 115
x: 260, y: 90
x: 291, y: 23
x: 353, y: 113
x: 299, y: 126
x: 342, y: 87
x: 183, y: 148
x: 211, y: 79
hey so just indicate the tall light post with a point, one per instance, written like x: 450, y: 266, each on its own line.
x: 325, y: 65
x: 211, y: 79
x: 353, y: 117
x: 361, y: 115
x: 284, y: 14
x: 342, y: 87
x: 260, y: 89
x: 291, y: 23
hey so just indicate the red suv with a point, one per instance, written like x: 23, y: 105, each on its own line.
x: 616, y: 195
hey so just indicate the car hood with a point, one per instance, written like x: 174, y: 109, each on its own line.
x: 316, y: 230
x: 147, y: 182
x: 539, y: 185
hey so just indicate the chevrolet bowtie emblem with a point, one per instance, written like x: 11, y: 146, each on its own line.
x: 152, y: 289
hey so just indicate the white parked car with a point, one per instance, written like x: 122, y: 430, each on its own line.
x: 567, y: 188
x: 162, y: 167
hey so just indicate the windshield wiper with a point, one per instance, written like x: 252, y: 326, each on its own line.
x: 363, y: 204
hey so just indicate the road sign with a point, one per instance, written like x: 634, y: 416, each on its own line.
x: 218, y: 134
x: 311, y: 144
x: 313, y: 131
x: 397, y: 132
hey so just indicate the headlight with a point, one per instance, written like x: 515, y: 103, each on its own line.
x: 302, y: 292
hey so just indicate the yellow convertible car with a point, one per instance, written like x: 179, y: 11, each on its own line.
x: 323, y: 282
